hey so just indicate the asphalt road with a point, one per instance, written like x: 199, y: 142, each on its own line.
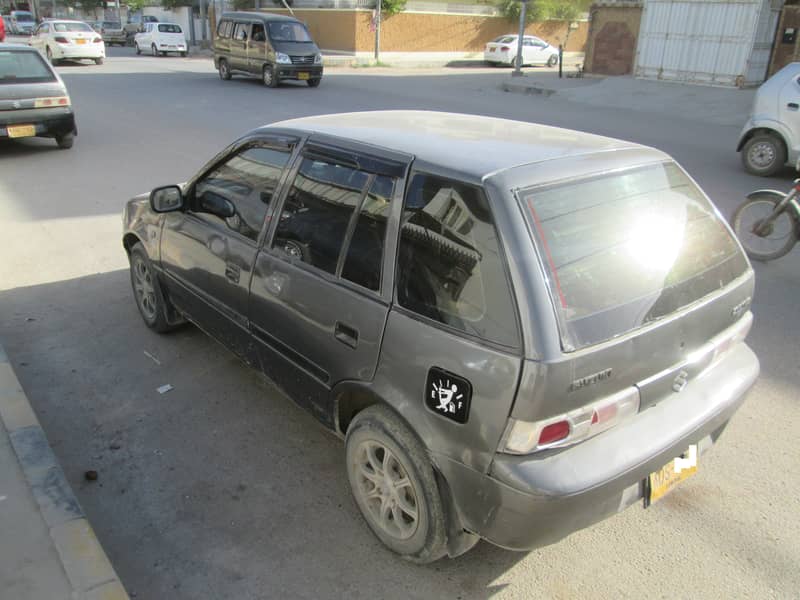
x: 221, y: 488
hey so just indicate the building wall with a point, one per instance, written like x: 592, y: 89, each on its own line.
x: 611, y: 40
x: 350, y: 30
x: 787, y: 42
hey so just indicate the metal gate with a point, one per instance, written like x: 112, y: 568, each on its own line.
x: 717, y: 42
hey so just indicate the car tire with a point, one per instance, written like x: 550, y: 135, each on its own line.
x: 314, y: 82
x: 50, y: 59
x: 98, y: 61
x: 147, y: 291
x: 183, y: 54
x: 764, y: 154
x: 553, y: 60
x: 153, y: 50
x: 785, y: 220
x: 268, y: 76
x: 224, y: 70
x: 394, y: 485
x: 138, y: 50
x: 66, y: 141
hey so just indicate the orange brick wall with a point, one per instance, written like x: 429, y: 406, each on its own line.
x: 349, y: 30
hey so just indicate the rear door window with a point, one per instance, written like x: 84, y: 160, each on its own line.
x: 624, y: 249
x: 450, y: 263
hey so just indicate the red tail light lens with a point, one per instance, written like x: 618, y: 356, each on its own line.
x: 97, y: 40
x: 554, y: 432
x: 504, y: 49
x: 61, y: 39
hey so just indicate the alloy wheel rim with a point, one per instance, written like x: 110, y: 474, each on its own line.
x: 762, y: 154
x: 386, y: 490
x: 144, y: 288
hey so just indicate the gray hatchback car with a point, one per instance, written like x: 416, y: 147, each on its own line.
x: 518, y: 330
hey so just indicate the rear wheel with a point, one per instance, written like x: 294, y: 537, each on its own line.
x: 65, y: 141
x: 764, y: 241
x: 269, y: 77
x: 98, y: 61
x: 50, y: 58
x: 224, y: 70
x: 394, y: 485
x: 153, y: 50
x: 138, y: 50
x: 763, y: 154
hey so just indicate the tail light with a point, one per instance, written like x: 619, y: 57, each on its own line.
x: 51, y: 102
x: 97, y: 40
x: 522, y: 437
x: 504, y: 48
x: 61, y: 39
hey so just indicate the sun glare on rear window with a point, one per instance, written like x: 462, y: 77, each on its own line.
x: 625, y: 249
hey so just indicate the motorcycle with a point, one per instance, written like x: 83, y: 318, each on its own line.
x: 768, y: 222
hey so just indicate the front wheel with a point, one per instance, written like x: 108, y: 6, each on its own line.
x: 269, y: 77
x: 394, y: 485
x: 764, y: 241
x: 147, y: 291
x: 553, y: 60
x: 763, y: 154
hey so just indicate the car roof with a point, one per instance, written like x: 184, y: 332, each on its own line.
x: 166, y: 23
x: 469, y: 144
x: 65, y: 21
x: 258, y: 16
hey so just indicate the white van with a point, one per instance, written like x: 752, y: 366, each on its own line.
x: 160, y: 38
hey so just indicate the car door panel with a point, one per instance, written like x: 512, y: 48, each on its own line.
x: 238, y: 54
x: 789, y: 109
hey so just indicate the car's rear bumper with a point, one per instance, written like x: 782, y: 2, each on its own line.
x: 503, y: 58
x: 49, y: 122
x: 90, y: 50
x: 526, y: 502
x: 294, y: 71
x: 115, y: 38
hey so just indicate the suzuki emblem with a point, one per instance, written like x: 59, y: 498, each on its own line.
x: 680, y: 382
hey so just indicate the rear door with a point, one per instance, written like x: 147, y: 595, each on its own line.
x: 318, y: 300
x: 208, y: 260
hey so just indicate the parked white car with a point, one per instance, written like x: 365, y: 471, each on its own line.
x: 59, y: 39
x: 160, y: 38
x: 503, y: 51
x: 771, y: 137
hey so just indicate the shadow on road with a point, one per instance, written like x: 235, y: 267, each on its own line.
x: 219, y: 488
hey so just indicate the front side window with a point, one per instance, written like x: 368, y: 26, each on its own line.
x: 318, y: 211
x: 248, y: 180
x: 258, y: 34
x: 450, y: 265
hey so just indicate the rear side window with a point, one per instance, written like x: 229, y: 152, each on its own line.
x: 625, y: 249
x: 450, y: 265
x: 224, y: 29
x: 24, y: 67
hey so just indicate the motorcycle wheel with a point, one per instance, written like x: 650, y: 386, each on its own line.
x: 776, y: 240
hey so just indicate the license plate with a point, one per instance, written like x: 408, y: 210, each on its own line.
x: 19, y: 131
x: 661, y: 482
x: 302, y: 75
x: 80, y: 41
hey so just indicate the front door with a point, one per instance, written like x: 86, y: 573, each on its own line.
x: 256, y: 48
x: 318, y: 302
x: 789, y: 110
x: 207, y: 259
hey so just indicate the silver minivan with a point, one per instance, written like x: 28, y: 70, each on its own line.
x: 272, y: 47
x: 517, y: 330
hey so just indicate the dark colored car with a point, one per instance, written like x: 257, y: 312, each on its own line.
x: 111, y: 31
x: 272, y: 47
x: 518, y: 330
x: 33, y: 99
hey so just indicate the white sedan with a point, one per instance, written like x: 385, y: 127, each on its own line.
x: 60, y: 39
x: 160, y: 38
x: 503, y: 51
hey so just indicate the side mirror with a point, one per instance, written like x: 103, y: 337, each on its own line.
x: 217, y: 205
x: 166, y: 199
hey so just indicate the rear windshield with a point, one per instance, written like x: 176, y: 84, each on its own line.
x: 169, y: 29
x: 71, y: 27
x: 288, y: 32
x: 24, y: 67
x: 111, y: 25
x: 625, y: 249
x: 505, y: 39
x: 23, y: 17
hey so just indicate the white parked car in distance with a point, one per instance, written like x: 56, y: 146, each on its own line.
x: 503, y: 51
x: 771, y: 137
x: 160, y: 38
x: 59, y: 39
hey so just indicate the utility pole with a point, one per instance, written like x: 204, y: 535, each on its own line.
x: 517, y: 72
x: 378, y: 7
x: 203, y: 22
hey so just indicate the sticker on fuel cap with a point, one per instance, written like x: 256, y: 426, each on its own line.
x: 448, y: 395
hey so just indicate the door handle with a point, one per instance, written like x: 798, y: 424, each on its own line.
x: 232, y: 272
x: 793, y: 106
x: 346, y: 334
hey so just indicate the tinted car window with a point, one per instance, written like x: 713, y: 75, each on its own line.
x: 248, y: 180
x: 169, y: 29
x: 317, y: 212
x: 257, y: 33
x: 450, y: 267
x: 625, y: 249
x: 23, y: 67
x: 240, y: 31
x: 365, y: 253
x: 288, y: 32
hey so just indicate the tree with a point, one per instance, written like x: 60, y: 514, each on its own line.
x: 392, y: 7
x: 510, y: 9
x: 135, y: 6
x: 542, y: 10
x: 173, y: 4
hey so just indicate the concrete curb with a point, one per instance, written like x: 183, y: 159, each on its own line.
x: 84, y: 561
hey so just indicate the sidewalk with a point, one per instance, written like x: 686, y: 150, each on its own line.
x: 719, y: 105
x: 47, y: 547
